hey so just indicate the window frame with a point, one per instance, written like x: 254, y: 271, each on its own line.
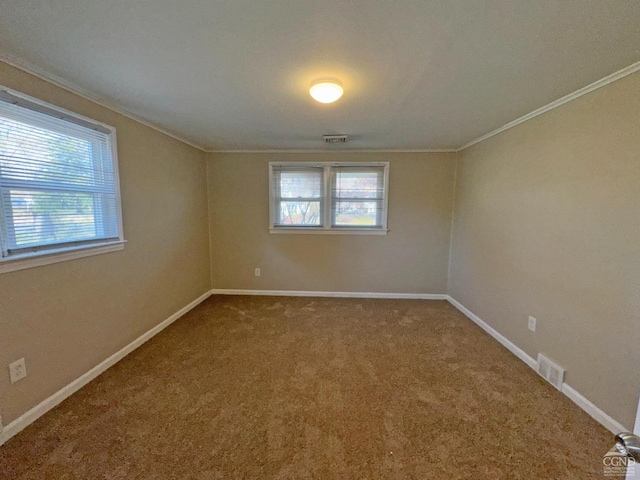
x: 47, y: 254
x: 275, y: 194
x: 326, y: 201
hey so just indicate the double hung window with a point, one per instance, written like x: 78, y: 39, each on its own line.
x: 58, y: 182
x: 329, y: 197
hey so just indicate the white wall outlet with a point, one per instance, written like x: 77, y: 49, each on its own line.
x: 17, y: 370
x: 532, y: 323
x: 257, y: 272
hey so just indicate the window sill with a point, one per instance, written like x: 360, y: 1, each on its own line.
x: 37, y: 259
x: 329, y: 231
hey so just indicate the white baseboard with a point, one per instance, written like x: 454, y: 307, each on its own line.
x: 313, y: 293
x: 43, y: 407
x: 596, y: 413
x: 29, y: 417
x: 508, y: 344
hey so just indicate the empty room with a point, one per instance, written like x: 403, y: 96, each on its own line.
x: 320, y: 240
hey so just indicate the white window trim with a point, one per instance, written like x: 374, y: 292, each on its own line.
x: 327, y: 229
x: 30, y: 260
x: 55, y: 255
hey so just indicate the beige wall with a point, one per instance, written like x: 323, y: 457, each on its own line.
x: 547, y: 223
x: 66, y: 318
x: 412, y: 258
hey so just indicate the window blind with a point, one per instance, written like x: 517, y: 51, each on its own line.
x: 357, y: 196
x: 298, y: 194
x: 57, y: 182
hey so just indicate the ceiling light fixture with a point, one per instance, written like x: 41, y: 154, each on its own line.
x: 326, y: 90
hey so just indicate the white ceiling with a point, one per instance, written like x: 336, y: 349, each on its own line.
x: 418, y: 74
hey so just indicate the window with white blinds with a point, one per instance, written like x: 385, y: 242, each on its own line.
x: 58, y: 180
x: 298, y: 195
x: 357, y: 197
x: 329, y: 197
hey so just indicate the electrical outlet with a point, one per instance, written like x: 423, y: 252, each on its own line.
x: 17, y: 370
x: 532, y: 323
x: 257, y: 272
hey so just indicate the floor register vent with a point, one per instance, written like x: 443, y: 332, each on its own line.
x: 550, y: 371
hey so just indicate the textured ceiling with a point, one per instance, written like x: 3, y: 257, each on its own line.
x: 235, y: 74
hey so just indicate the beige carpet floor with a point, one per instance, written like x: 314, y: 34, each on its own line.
x: 304, y: 388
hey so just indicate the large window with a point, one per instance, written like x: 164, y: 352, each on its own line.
x: 58, y: 184
x: 329, y: 197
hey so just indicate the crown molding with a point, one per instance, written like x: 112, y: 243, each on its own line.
x: 76, y: 90
x: 633, y: 68
x: 79, y: 91
x: 351, y: 150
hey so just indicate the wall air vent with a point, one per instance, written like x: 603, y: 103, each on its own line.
x: 335, y: 138
x: 551, y: 372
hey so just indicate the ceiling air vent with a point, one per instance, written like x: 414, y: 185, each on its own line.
x: 335, y: 138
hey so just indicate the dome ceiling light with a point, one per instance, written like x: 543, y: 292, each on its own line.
x: 326, y: 90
